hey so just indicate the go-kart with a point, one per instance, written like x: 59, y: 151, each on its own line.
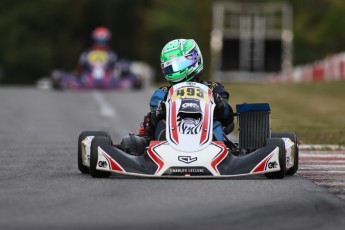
x: 189, y: 148
x: 97, y: 74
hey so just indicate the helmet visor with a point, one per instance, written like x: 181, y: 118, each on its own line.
x: 179, y: 64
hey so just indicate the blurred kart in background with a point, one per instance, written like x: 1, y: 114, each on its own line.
x: 189, y: 148
x: 98, y: 75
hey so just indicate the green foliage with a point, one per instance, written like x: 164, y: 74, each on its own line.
x: 36, y: 37
x: 318, y: 29
x: 168, y: 20
x: 40, y: 35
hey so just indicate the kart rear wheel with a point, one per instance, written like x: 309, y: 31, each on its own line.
x: 82, y: 168
x: 278, y: 142
x: 56, y: 85
x: 294, y: 139
x: 138, y: 84
x: 97, y: 141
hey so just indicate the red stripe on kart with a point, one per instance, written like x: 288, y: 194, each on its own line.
x: 204, y: 129
x: 221, y: 155
x: 262, y: 165
x: 154, y: 156
x: 173, y: 122
x: 113, y: 164
x: 171, y: 90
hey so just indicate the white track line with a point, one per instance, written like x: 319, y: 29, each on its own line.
x: 110, y: 115
x: 105, y: 109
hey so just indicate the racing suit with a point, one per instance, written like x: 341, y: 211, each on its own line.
x: 223, y: 116
x: 88, y: 56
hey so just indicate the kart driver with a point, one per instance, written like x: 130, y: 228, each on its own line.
x: 181, y: 61
x: 100, y: 51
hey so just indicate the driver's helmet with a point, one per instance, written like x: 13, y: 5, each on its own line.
x: 101, y: 35
x: 181, y: 60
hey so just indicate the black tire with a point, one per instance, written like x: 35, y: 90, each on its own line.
x: 82, y: 168
x: 138, y: 84
x: 56, y: 85
x: 294, y: 139
x: 97, y: 141
x: 282, y: 158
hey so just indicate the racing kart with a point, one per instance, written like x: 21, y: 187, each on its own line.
x: 98, y: 74
x: 189, y: 148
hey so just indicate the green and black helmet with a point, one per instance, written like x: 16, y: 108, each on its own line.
x: 181, y: 60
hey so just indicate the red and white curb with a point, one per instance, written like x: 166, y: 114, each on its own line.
x: 325, y: 168
x: 322, y: 147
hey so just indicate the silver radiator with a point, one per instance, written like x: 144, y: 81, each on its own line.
x: 254, y: 128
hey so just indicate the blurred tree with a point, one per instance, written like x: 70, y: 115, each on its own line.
x: 168, y: 20
x: 123, y: 18
x: 318, y: 29
x: 39, y: 35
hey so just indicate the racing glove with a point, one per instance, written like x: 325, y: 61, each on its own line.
x: 219, y: 109
x: 219, y: 101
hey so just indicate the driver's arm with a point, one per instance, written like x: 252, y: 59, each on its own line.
x: 225, y: 113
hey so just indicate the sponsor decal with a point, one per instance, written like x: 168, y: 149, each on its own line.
x: 190, y: 92
x: 189, y: 117
x: 288, y: 160
x: 187, y: 171
x: 262, y: 165
x: 272, y: 165
x: 190, y: 105
x: 187, y: 159
x: 102, y: 164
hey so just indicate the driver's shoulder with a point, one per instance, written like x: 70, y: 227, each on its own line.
x: 161, y: 91
x: 213, y: 85
x: 164, y: 88
x: 217, y: 88
x: 158, y: 95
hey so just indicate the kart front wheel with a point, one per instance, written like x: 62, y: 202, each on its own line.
x: 278, y: 142
x: 82, y: 168
x: 294, y: 139
x: 96, y: 142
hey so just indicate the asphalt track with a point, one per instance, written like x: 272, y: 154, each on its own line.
x: 41, y: 187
